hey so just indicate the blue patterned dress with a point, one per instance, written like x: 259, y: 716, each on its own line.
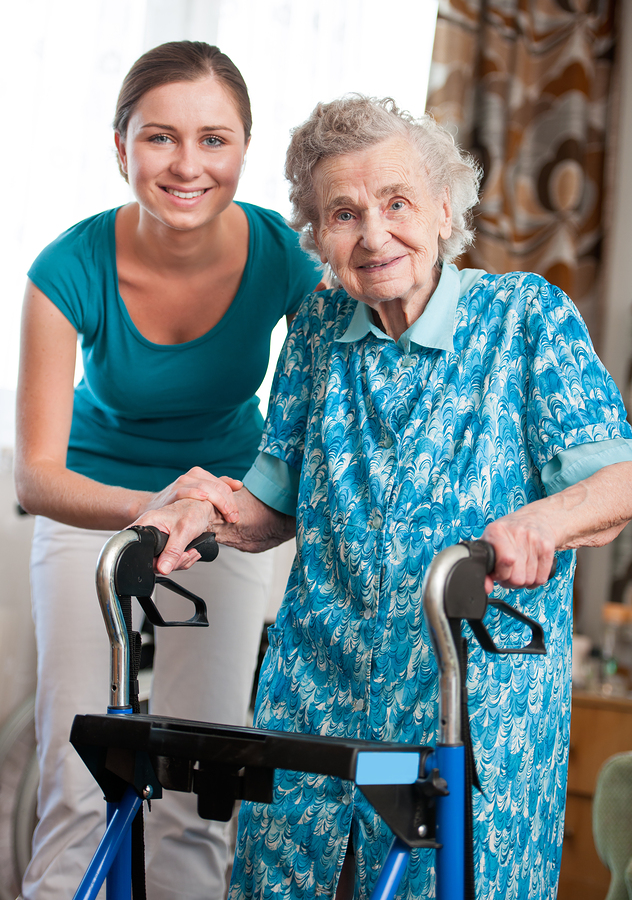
x: 403, y: 453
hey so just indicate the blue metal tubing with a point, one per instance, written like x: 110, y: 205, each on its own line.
x: 118, y: 828
x: 451, y: 824
x: 392, y: 871
x: 118, y: 884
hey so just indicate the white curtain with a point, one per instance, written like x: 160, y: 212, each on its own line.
x: 62, y: 65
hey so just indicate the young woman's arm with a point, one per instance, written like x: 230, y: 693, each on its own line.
x: 44, y: 413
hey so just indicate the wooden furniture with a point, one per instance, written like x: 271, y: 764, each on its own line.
x: 600, y: 727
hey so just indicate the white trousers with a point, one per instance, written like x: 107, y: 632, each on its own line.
x: 199, y: 673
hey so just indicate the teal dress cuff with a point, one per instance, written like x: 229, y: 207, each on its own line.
x: 273, y: 482
x: 578, y: 463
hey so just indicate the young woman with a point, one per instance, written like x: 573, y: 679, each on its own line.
x: 173, y: 298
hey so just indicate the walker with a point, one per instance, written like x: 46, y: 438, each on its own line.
x: 422, y: 793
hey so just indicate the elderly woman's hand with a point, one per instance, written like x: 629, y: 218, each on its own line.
x: 183, y: 521
x: 524, y: 544
x: 245, y: 523
x: 192, y: 504
x: 590, y: 513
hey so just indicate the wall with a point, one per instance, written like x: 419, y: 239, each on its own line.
x: 596, y: 564
x: 17, y: 640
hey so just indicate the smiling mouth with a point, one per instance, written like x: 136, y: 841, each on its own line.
x: 381, y: 265
x: 185, y: 195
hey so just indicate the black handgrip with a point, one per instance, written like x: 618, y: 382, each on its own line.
x: 205, y: 543
x: 491, y: 557
x: 465, y: 598
x: 206, y: 546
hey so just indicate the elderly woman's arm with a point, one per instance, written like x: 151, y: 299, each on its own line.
x: 588, y: 514
x: 259, y: 527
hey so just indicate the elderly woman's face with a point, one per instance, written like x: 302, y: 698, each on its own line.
x: 379, y: 225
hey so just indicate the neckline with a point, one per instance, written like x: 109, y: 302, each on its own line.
x: 219, y: 326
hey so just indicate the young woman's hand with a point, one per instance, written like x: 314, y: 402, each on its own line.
x: 197, y: 484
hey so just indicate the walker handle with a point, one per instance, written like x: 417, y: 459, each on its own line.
x: 204, y: 543
x: 491, y: 557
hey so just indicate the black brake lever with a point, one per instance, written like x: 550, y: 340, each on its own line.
x: 134, y: 574
x: 465, y: 598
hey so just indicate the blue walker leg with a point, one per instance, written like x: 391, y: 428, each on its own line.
x: 450, y: 833
x: 114, y: 853
x: 392, y: 871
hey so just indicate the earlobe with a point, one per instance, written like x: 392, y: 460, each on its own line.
x: 244, y: 158
x: 445, y: 229
x: 323, y: 257
x: 120, y: 149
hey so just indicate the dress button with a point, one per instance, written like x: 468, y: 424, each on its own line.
x: 407, y: 362
x: 387, y: 441
x: 368, y: 613
x: 376, y: 520
x: 358, y: 705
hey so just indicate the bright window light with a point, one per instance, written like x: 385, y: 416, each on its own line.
x: 62, y: 65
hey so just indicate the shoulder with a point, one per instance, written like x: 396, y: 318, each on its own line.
x: 521, y: 307
x: 325, y: 315
x: 83, y: 242
x: 70, y: 270
x: 270, y: 227
x: 277, y: 260
x: 521, y: 294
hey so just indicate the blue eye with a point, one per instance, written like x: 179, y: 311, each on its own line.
x: 213, y: 141
x: 160, y: 139
x: 397, y: 205
x: 345, y: 216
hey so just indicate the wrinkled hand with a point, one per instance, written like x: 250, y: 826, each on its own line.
x: 183, y: 521
x: 524, y: 544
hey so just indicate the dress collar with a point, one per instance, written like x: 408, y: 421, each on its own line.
x: 435, y: 326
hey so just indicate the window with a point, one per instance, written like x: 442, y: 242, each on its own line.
x: 63, y: 65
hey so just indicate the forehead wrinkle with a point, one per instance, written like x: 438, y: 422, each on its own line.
x: 342, y: 200
x: 401, y: 187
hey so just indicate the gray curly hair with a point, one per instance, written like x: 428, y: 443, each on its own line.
x: 355, y: 122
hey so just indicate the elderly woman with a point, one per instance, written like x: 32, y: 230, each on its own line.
x: 413, y: 407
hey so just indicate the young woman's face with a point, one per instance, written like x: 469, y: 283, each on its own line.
x: 183, y: 152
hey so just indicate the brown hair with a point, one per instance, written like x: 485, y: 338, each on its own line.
x: 181, y: 61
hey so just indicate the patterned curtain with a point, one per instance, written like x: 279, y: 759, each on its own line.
x: 525, y: 84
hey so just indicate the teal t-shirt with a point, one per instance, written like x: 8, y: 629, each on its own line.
x: 143, y: 412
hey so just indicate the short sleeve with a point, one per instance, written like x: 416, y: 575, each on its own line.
x: 78, y: 267
x: 582, y: 461
x: 273, y: 482
x: 572, y: 399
